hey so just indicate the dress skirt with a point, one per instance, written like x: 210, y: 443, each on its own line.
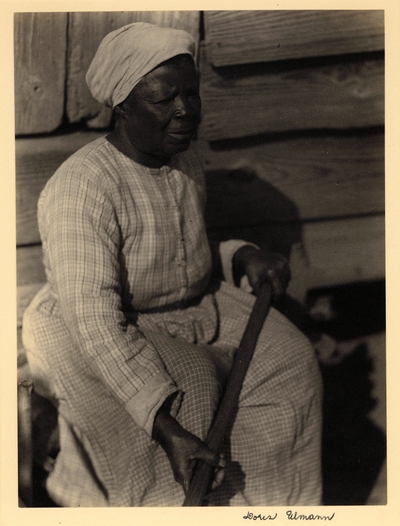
x: 273, y: 450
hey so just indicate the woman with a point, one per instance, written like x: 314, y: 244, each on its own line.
x: 131, y: 335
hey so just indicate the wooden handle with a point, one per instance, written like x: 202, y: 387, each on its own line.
x: 204, y: 473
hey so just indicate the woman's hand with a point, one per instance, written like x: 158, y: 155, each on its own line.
x: 260, y: 266
x: 183, y: 449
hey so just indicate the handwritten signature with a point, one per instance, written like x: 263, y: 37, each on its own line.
x: 293, y: 516
x: 260, y: 517
x: 311, y: 517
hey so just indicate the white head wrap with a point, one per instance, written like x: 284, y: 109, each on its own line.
x: 126, y: 55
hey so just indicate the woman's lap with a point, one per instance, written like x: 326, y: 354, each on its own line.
x: 276, y: 435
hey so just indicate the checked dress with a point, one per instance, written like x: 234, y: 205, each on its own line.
x: 130, y: 315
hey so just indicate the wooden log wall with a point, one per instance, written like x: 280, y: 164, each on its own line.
x: 295, y: 97
x: 40, y: 53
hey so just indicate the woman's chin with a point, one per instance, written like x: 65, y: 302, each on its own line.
x: 178, y: 146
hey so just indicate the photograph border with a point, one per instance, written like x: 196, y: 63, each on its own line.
x: 10, y: 513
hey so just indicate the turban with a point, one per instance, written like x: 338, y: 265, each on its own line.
x: 126, y: 55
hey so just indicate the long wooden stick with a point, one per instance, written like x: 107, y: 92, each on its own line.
x: 204, y: 473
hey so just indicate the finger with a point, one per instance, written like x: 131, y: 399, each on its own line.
x: 183, y: 475
x: 185, y: 478
x: 218, y: 461
x: 277, y: 287
x: 256, y: 284
x: 278, y: 290
x: 207, y: 455
x: 185, y: 485
x: 218, y: 478
x: 278, y: 280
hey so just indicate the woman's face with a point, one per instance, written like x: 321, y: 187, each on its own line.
x: 161, y: 113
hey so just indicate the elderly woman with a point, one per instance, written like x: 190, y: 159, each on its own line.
x: 132, y: 337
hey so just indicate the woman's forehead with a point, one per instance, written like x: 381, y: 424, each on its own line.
x: 168, y: 76
x: 182, y: 65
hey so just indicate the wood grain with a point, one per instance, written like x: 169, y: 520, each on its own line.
x: 240, y: 37
x: 297, y: 179
x: 250, y: 101
x: 337, y: 252
x: 36, y: 161
x: 40, y: 54
x: 86, y: 30
x: 25, y: 294
x: 352, y: 246
x: 30, y: 265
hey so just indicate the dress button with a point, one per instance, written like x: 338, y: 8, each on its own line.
x: 180, y: 238
x: 182, y: 263
x: 174, y: 207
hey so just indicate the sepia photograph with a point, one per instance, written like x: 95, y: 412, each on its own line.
x: 200, y: 259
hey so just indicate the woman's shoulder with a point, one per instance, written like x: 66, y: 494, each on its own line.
x: 93, y: 164
x: 84, y: 172
x: 93, y: 156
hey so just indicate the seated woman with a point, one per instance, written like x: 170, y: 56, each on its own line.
x: 131, y: 335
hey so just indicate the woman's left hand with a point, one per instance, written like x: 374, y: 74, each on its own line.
x: 260, y: 266
x: 183, y: 449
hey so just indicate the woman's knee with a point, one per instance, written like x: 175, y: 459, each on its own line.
x: 201, y: 377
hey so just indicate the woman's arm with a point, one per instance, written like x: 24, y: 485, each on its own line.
x: 81, y: 239
x: 235, y: 258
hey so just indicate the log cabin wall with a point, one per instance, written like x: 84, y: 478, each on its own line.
x: 292, y: 107
x: 297, y: 98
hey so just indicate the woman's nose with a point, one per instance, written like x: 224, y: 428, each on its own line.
x: 184, y: 106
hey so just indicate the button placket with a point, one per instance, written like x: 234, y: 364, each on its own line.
x: 175, y: 209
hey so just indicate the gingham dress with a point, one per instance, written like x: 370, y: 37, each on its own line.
x: 130, y: 316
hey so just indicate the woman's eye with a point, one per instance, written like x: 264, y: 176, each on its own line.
x: 166, y: 100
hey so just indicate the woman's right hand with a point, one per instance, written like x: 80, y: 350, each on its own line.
x: 183, y: 449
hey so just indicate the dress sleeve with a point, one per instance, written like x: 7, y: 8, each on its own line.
x: 81, y: 239
x: 227, y: 250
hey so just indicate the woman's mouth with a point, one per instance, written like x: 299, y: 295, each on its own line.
x: 181, y: 135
